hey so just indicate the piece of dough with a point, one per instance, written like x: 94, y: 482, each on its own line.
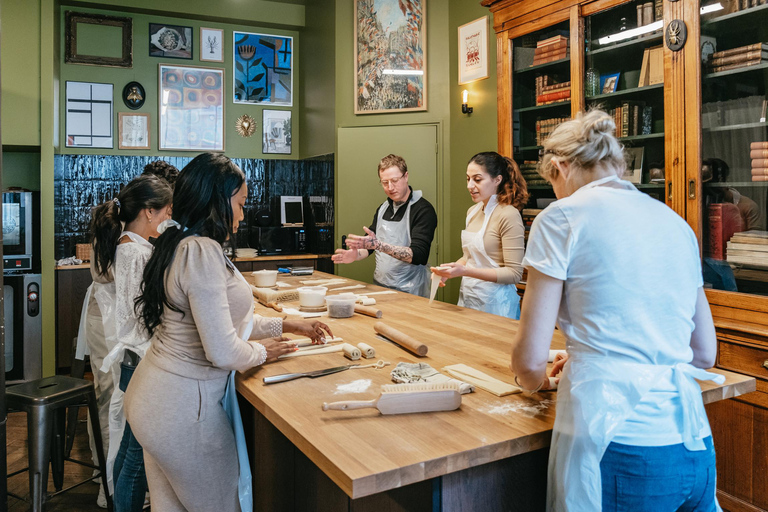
x: 553, y: 354
x: 435, y: 285
x: 350, y: 351
x: 481, y: 380
x: 324, y: 350
x: 366, y: 350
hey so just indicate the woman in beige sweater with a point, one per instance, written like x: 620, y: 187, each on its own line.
x: 493, y: 241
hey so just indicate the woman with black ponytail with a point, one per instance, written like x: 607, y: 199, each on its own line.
x: 120, y: 229
x: 199, y: 311
x: 493, y: 241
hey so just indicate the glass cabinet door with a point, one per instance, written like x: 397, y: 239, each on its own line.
x: 734, y: 145
x: 541, y: 99
x: 624, y: 75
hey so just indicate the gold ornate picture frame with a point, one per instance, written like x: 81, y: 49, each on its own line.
x: 73, y: 56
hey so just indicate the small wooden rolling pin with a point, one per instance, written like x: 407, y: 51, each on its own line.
x: 368, y: 310
x: 401, y: 339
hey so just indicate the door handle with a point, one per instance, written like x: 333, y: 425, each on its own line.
x: 669, y: 193
x: 691, y: 189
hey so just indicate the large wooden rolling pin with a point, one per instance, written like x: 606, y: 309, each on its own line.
x: 368, y: 310
x: 401, y: 339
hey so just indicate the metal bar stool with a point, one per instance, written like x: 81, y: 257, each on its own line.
x: 45, y: 402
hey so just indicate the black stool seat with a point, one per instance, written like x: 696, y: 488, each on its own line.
x: 45, y: 401
x: 48, y: 391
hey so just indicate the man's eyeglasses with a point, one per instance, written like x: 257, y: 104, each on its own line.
x: 393, y: 181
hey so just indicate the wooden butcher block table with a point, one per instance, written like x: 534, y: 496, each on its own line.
x: 491, y: 454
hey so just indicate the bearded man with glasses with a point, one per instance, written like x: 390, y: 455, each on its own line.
x: 400, y: 236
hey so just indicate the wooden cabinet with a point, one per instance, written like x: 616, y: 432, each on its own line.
x: 708, y: 115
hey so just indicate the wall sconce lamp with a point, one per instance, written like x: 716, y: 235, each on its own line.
x: 465, y: 109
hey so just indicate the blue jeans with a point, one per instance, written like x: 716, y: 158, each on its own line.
x: 129, y: 476
x: 658, y: 478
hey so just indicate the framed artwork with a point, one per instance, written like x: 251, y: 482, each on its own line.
x: 390, y: 56
x: 277, y: 131
x: 608, y: 83
x: 634, y: 158
x: 97, y: 26
x: 473, y: 51
x: 191, y: 101
x: 170, y: 41
x: 211, y: 44
x: 134, y: 95
x: 89, y: 115
x: 263, y: 67
x: 132, y: 131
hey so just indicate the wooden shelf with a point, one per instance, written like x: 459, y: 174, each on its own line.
x: 538, y: 67
x: 734, y: 184
x: 745, y: 69
x: 649, y: 136
x: 529, y: 148
x: 626, y: 92
x: 649, y: 186
x: 656, y: 36
x: 734, y: 127
x: 539, y: 187
x: 717, y: 23
x: 544, y: 107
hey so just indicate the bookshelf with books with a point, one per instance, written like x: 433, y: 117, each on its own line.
x: 706, y: 120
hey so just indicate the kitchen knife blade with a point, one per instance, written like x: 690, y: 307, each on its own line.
x: 312, y: 375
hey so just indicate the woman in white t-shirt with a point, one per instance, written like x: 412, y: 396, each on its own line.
x: 619, y: 273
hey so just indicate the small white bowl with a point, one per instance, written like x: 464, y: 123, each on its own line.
x: 341, y: 306
x: 264, y: 278
x: 312, y: 296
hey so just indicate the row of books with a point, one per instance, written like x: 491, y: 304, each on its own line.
x: 549, y: 91
x: 545, y: 127
x: 740, y: 5
x: 528, y: 214
x: 748, y: 248
x: 758, y: 152
x: 735, y: 58
x: 632, y: 118
x: 529, y: 170
x: 652, y: 67
x: 551, y: 49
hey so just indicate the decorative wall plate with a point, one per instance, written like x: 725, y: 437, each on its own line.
x: 676, y: 35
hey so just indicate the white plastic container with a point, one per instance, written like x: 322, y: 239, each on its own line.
x: 312, y: 296
x: 264, y: 278
x: 341, y: 306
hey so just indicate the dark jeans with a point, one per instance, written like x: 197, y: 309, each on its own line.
x: 130, y: 480
x: 658, y: 478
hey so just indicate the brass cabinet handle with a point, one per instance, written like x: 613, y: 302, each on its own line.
x: 765, y: 363
x: 691, y: 189
x: 670, y: 191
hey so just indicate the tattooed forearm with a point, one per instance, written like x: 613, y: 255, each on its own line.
x: 396, y: 251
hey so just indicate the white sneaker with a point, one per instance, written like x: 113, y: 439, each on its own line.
x: 101, y: 501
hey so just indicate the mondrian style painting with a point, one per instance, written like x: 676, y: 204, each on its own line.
x: 263, y: 67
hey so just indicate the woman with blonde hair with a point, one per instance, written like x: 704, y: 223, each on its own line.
x: 493, y: 241
x: 630, y: 432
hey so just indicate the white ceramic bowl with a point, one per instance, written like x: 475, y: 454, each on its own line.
x: 341, y: 306
x: 312, y: 296
x: 264, y: 278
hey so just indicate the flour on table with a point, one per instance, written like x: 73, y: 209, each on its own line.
x: 357, y: 386
x: 526, y: 409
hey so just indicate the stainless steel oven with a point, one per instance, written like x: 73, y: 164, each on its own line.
x: 20, y: 219
x: 23, y: 327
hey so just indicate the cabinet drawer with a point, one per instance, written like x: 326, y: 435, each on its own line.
x: 743, y: 359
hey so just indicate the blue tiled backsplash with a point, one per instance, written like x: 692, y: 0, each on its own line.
x: 83, y: 181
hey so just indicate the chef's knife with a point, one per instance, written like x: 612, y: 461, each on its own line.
x: 312, y: 375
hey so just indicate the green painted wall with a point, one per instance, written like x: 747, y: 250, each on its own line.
x: 20, y: 43
x: 459, y: 136
x: 318, y: 80
x: 473, y: 133
x: 263, y: 12
x: 21, y: 169
x: 145, y: 71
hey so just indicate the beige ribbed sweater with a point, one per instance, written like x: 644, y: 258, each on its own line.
x: 504, y: 241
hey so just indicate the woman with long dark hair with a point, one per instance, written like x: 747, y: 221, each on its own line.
x: 493, y: 241
x: 199, y: 311
x: 120, y: 229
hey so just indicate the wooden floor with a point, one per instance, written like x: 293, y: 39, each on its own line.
x: 81, y: 499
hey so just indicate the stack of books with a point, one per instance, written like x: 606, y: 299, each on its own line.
x: 550, y: 50
x: 749, y: 248
x: 758, y: 152
x: 529, y: 170
x: 545, y: 127
x: 724, y: 220
x: 740, y: 5
x: 548, y: 92
x: 743, y: 56
x: 528, y: 215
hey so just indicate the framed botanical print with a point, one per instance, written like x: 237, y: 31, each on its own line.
x: 211, y: 44
x: 191, y: 101
x: 263, y: 69
x: 133, y: 131
x: 390, y: 56
x: 277, y: 131
x: 170, y: 41
x: 473, y: 51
